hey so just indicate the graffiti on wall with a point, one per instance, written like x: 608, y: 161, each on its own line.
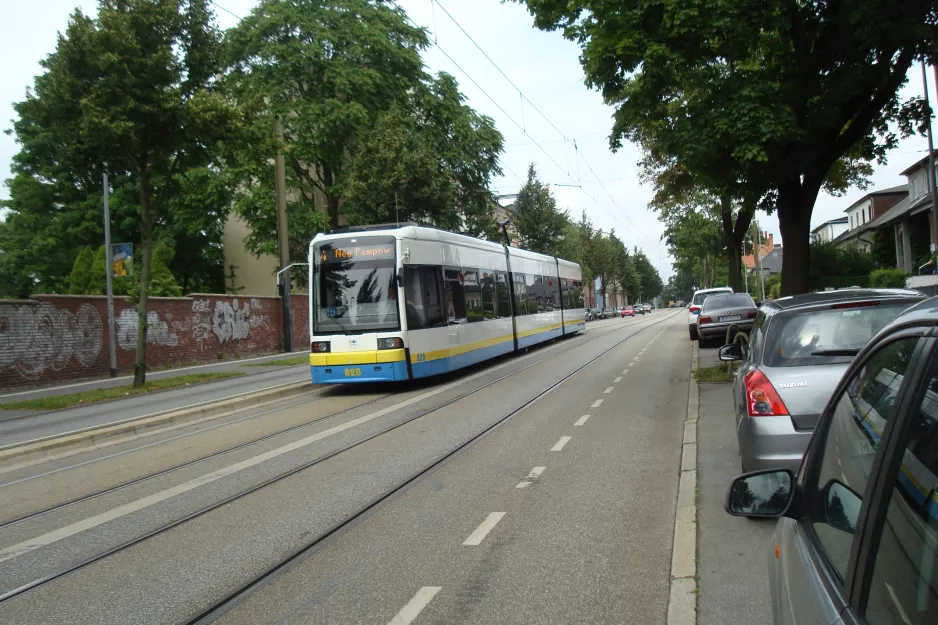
x: 34, y: 338
x: 231, y: 322
x: 201, y: 320
x: 158, y: 332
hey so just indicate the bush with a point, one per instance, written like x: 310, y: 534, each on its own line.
x: 79, y: 281
x: 893, y: 277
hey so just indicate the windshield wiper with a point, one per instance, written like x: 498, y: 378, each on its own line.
x: 336, y: 321
x: 836, y: 352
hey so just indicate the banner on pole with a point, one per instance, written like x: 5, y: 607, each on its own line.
x: 122, y: 255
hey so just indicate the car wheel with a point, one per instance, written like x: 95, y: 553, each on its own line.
x: 693, y: 333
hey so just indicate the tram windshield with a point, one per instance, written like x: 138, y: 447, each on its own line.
x: 355, y: 286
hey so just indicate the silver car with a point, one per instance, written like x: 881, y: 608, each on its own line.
x: 693, y: 309
x: 799, y: 348
x: 722, y: 311
x: 857, y: 533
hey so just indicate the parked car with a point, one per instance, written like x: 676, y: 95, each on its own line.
x: 595, y: 313
x: 694, y: 307
x: 722, y: 311
x: 628, y: 311
x: 799, y: 348
x: 647, y: 308
x: 610, y: 312
x: 858, y: 524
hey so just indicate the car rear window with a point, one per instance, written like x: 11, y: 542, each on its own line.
x: 735, y: 300
x: 794, y: 338
x: 700, y: 297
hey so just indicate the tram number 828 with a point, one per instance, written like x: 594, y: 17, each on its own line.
x: 354, y: 372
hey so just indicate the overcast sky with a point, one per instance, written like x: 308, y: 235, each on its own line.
x: 545, y: 68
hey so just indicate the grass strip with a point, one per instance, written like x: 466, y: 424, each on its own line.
x: 56, y: 402
x: 280, y: 362
x: 715, y: 374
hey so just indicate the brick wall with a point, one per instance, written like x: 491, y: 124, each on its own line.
x: 56, y: 338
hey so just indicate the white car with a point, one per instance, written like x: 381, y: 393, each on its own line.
x: 695, y: 305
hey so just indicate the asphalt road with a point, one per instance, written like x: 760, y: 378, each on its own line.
x: 561, y: 514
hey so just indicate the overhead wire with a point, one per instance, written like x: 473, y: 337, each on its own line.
x: 533, y: 106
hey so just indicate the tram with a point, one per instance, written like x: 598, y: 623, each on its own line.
x: 394, y: 303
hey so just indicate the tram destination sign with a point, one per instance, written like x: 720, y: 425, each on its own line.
x: 330, y: 253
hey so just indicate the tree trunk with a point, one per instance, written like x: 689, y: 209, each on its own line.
x: 146, y: 226
x: 795, y: 205
x: 733, y: 235
x: 332, y: 200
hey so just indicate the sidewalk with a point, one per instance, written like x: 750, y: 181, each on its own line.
x: 19, y: 426
x: 732, y: 552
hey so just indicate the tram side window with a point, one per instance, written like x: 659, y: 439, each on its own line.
x: 422, y: 297
x: 454, y: 297
x: 534, y: 286
x: 565, y: 292
x: 488, y: 294
x: 553, y: 293
x: 473, y: 292
x: 521, y: 294
x: 578, y: 295
x: 502, y: 302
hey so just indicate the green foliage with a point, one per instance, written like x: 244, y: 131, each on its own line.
x: 162, y: 281
x: 838, y: 267
x: 327, y: 69
x: 891, y: 277
x: 428, y: 159
x: 764, y: 101
x: 79, y: 281
x: 540, y: 223
x: 883, y: 249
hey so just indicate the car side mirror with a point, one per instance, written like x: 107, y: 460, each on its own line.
x: 763, y: 494
x: 841, y: 506
x: 731, y: 352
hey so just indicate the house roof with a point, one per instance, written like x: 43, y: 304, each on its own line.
x: 839, y: 220
x: 918, y: 165
x: 902, y: 208
x: 902, y: 188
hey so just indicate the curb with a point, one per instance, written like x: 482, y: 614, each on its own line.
x: 27, y: 453
x: 682, y: 598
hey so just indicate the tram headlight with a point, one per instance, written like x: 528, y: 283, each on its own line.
x: 391, y: 343
x: 319, y: 347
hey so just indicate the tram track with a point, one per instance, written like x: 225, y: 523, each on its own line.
x: 304, y: 466
x: 223, y: 606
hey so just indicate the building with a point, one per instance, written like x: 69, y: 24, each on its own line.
x: 862, y: 213
x: 768, y: 249
x: 830, y: 230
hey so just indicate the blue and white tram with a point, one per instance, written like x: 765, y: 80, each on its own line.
x: 399, y: 303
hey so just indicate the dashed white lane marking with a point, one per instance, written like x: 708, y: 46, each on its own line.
x: 582, y: 420
x: 533, y: 475
x: 844, y: 479
x: 608, y: 390
x: 839, y: 464
x: 635, y: 359
x: 476, y: 537
x: 559, y: 444
x: 597, y: 403
x: 895, y: 599
x: 415, y: 606
x: 631, y: 363
x: 617, y: 380
x: 624, y: 371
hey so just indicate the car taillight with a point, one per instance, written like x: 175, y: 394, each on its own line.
x: 695, y: 310
x: 752, y: 314
x: 705, y: 320
x: 762, y: 399
x: 854, y: 305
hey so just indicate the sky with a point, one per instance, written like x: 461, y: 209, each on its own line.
x: 541, y: 108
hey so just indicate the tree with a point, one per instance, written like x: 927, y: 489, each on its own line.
x: 327, y: 69
x: 780, y: 96
x: 539, y: 222
x: 428, y: 159
x: 79, y: 281
x: 133, y: 88
x: 651, y: 284
x: 883, y: 249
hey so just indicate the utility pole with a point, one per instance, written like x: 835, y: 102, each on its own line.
x: 286, y: 298
x: 745, y: 269
x: 932, y: 184
x: 757, y: 249
x: 108, y: 270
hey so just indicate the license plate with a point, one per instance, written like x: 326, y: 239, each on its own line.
x: 731, y: 318
x: 354, y: 372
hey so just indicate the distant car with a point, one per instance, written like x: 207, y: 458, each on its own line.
x: 628, y: 311
x: 596, y: 313
x: 647, y: 308
x: 695, y: 304
x: 610, y: 312
x: 722, y: 311
x: 858, y: 524
x: 799, y: 348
